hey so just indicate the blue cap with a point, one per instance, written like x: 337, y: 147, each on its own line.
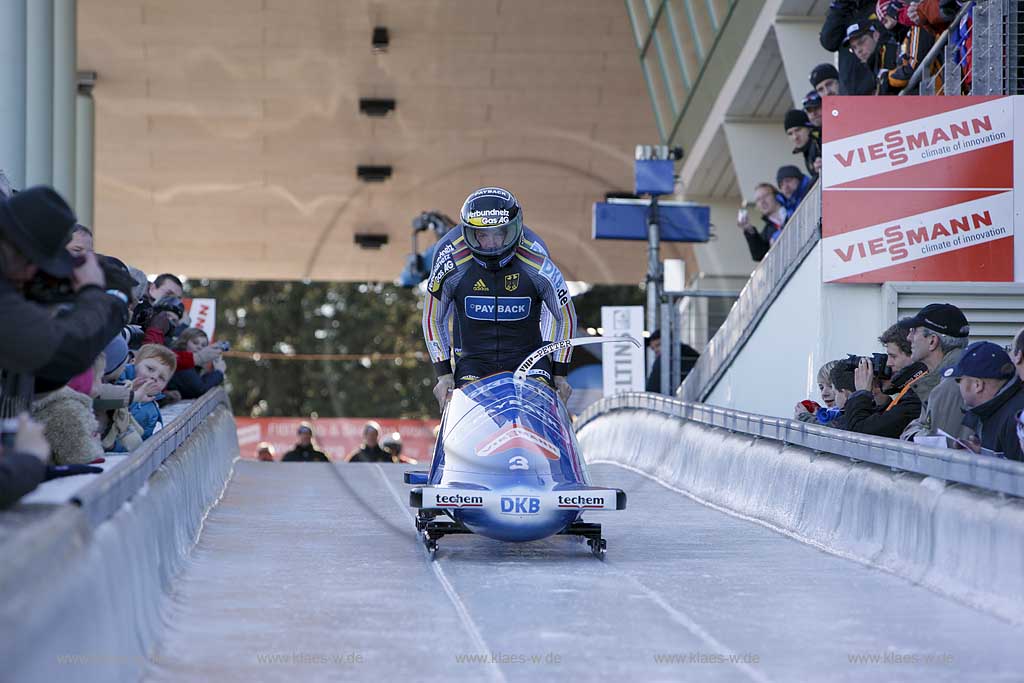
x: 983, y: 360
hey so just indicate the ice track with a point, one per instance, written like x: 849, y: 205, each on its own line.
x: 314, y: 572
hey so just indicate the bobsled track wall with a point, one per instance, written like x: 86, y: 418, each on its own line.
x: 964, y: 541
x: 93, y: 573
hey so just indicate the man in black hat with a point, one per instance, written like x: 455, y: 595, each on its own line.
x: 825, y: 80
x: 35, y: 225
x: 793, y: 185
x: 806, y: 139
x: 938, y: 335
x: 812, y: 107
x: 991, y: 390
x: 304, y: 450
x: 876, y: 50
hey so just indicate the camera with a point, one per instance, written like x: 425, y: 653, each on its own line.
x: 223, y: 345
x: 879, y: 364
x: 169, y: 304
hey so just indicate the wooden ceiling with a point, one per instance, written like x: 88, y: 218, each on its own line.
x: 228, y: 131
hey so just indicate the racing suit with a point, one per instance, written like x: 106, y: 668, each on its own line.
x: 453, y: 240
x: 497, y: 313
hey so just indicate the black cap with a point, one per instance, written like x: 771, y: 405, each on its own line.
x: 858, y: 29
x: 39, y: 222
x: 812, y: 101
x: 795, y: 118
x: 788, y: 172
x: 823, y: 72
x: 305, y: 429
x: 983, y: 360
x: 945, y: 319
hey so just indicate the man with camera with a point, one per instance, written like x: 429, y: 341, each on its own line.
x: 863, y: 414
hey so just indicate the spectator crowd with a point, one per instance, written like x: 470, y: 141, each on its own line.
x: 933, y: 386
x: 91, y: 349
x: 879, y: 45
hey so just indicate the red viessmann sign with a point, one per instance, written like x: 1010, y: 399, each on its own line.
x: 918, y: 188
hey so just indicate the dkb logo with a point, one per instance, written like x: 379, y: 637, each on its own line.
x: 520, y: 505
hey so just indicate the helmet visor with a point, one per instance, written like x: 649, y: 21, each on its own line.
x: 491, y: 240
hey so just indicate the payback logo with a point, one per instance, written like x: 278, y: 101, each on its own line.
x: 514, y: 437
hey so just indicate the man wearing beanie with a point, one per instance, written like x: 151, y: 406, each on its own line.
x: 825, y: 80
x: 855, y: 78
x: 793, y: 185
x: 806, y: 139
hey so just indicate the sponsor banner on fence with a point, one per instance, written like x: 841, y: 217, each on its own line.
x: 335, y: 436
x: 918, y: 190
x: 203, y: 313
x: 622, y: 364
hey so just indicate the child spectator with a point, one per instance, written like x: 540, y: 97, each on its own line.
x: 825, y: 389
x: 195, y: 381
x: 154, y: 365
x: 67, y: 415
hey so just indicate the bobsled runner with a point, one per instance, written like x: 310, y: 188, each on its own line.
x: 507, y: 465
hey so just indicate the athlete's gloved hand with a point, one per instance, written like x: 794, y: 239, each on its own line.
x: 563, y: 388
x: 443, y: 390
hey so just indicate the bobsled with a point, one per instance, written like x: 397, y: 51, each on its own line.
x: 507, y: 465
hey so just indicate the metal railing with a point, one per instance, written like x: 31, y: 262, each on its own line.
x: 977, y: 55
x: 797, y: 239
x: 990, y: 474
x: 104, y: 496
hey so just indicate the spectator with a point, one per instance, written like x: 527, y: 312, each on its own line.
x: 69, y: 423
x: 393, y: 445
x: 812, y: 107
x: 991, y: 390
x: 934, y: 15
x: 304, y: 450
x: 769, y: 203
x: 854, y: 77
x: 687, y: 359
x: 827, y: 392
x: 896, y: 342
x: 806, y: 139
x: 195, y: 381
x: 862, y: 413
x: 825, y: 80
x: 1016, y: 351
x: 370, y: 450
x: 154, y: 365
x: 793, y: 186
x: 119, y: 432
x: 844, y: 385
x: 938, y: 335
x: 265, y: 452
x: 165, y: 284
x: 23, y: 467
x: 34, y: 225
x: 81, y: 241
x: 877, y: 51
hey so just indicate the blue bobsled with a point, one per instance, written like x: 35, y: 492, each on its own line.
x: 507, y: 465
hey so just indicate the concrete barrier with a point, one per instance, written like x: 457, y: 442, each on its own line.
x: 81, y: 596
x: 963, y: 542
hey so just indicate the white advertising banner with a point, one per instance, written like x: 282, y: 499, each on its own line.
x: 203, y: 313
x: 623, y: 365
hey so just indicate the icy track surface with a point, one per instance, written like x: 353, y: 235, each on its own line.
x: 314, y: 572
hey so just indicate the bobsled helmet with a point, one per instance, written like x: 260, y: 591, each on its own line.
x: 492, y: 225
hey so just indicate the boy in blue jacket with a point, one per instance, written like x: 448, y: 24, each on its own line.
x: 153, y: 367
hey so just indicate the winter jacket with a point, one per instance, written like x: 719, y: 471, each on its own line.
x: 936, y: 15
x: 913, y: 49
x: 19, y: 474
x: 191, y: 384
x: 943, y: 407
x: 146, y: 414
x: 304, y: 454
x: 855, y: 78
x: 760, y: 242
x: 57, y: 347
x: 863, y: 415
x: 69, y: 426
x: 883, y: 62
x: 996, y: 421
x: 367, y: 454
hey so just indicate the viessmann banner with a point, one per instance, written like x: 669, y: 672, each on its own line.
x: 920, y: 189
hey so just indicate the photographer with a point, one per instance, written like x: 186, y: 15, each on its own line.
x: 862, y: 413
x: 35, y: 224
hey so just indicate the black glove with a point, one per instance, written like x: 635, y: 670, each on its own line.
x: 162, y: 322
x: 57, y: 471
